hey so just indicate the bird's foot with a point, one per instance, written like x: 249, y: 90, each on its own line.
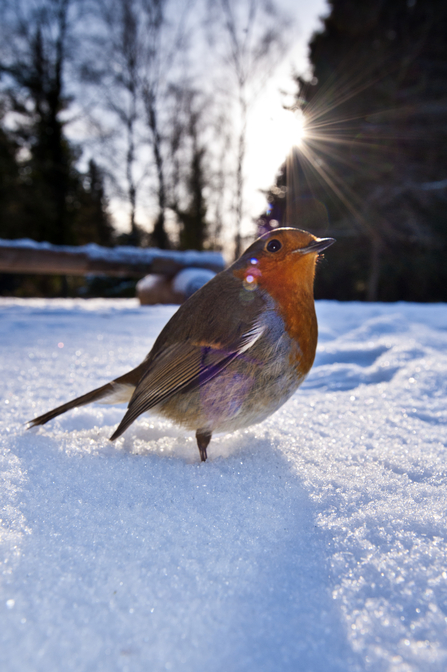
x: 203, y: 438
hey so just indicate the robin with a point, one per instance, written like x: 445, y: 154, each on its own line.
x: 235, y: 351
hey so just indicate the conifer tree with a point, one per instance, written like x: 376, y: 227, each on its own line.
x: 376, y: 147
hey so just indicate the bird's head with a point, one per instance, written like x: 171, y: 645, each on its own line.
x: 280, y: 260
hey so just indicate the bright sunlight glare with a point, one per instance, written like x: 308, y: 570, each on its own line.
x: 290, y: 130
x: 272, y: 133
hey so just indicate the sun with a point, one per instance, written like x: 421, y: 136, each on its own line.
x: 273, y: 134
x: 290, y: 129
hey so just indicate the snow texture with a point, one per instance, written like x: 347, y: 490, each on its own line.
x: 124, y: 253
x: 314, y: 542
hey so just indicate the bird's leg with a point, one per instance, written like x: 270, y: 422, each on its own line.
x: 203, y: 438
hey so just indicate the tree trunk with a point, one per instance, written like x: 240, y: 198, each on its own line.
x: 240, y: 174
x: 159, y: 236
x: 374, y: 272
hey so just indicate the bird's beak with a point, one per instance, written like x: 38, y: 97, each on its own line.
x: 316, y: 245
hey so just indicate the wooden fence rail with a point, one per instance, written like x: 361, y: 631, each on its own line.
x: 92, y: 260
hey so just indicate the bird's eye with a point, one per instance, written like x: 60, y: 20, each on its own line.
x: 274, y: 245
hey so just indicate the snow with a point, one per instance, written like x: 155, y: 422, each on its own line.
x: 314, y: 542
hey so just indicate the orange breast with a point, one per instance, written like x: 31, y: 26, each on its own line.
x: 290, y: 284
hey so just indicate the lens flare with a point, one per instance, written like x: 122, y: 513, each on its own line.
x: 332, y: 147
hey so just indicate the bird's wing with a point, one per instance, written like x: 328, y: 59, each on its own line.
x: 181, y: 366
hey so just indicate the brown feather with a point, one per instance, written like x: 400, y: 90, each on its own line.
x: 181, y: 367
x: 131, y: 378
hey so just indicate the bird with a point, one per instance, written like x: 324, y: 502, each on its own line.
x: 235, y: 351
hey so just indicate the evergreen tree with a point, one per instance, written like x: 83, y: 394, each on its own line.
x: 43, y: 195
x: 92, y: 222
x: 193, y: 219
x: 9, y: 185
x: 36, y: 96
x: 375, y: 153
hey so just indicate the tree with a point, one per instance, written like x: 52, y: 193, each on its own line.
x: 92, y: 222
x: 188, y: 148
x: 34, y: 56
x: 10, y: 219
x: 375, y: 149
x: 254, y: 33
x: 137, y: 52
x: 112, y: 68
x: 43, y: 195
x: 165, y: 42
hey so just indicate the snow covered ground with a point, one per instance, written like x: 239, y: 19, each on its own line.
x: 315, y: 542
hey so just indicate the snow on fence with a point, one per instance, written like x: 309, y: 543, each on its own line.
x: 28, y: 256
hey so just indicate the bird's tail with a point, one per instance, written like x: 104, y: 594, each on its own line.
x: 115, y: 392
